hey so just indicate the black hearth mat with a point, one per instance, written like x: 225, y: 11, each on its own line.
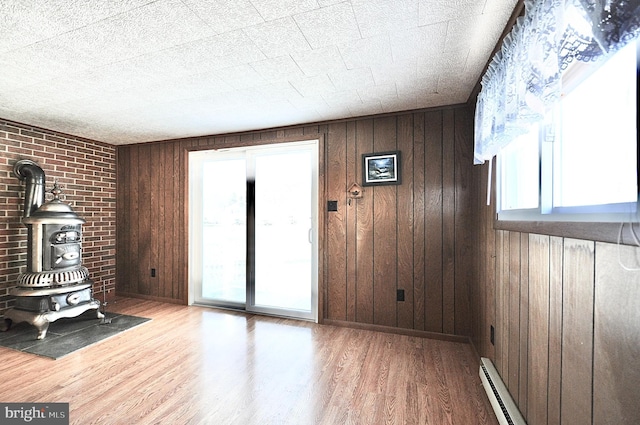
x: 68, y: 334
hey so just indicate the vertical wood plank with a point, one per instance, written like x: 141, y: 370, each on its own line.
x: 364, y: 249
x: 405, y: 222
x: 176, y: 210
x: 135, y: 221
x: 351, y: 223
x: 555, y: 328
x: 616, y: 335
x: 501, y: 333
x: 539, y: 248
x: 162, y: 263
x: 385, y: 250
x: 155, y: 192
x: 336, y: 226
x: 465, y: 230
x: 419, y: 240
x: 448, y: 223
x: 487, y: 260
x: 123, y: 202
x: 322, y: 224
x: 182, y: 285
x: 144, y: 245
x: 513, y: 307
x: 524, y: 323
x: 169, y: 221
x: 577, y: 331
x: 433, y: 218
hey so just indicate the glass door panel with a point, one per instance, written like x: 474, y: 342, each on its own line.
x: 252, y: 221
x: 283, y: 229
x: 224, y: 231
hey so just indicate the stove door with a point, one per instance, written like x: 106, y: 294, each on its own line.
x: 65, y: 255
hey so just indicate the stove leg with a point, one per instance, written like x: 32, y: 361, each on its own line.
x: 42, y: 329
x: 7, y: 325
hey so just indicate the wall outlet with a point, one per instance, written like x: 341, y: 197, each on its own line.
x: 153, y: 272
x: 493, y: 335
x: 332, y: 205
x: 400, y: 295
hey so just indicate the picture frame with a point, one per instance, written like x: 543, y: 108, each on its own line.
x: 381, y: 168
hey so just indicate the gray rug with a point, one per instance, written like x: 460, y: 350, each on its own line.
x: 67, y: 335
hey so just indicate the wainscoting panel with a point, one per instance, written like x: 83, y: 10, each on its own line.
x: 567, y: 326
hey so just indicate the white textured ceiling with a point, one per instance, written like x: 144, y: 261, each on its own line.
x: 128, y: 71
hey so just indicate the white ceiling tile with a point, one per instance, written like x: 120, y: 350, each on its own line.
x: 330, y: 25
x: 13, y: 76
x: 434, y: 11
x: 394, y: 72
x: 221, y: 51
x: 411, y: 44
x: 118, y: 76
x: 319, y: 61
x: 456, y: 84
x: 324, y: 3
x: 22, y: 22
x: 188, y: 87
x: 497, y: 5
x: 236, y: 100
x: 282, y: 68
x: 448, y: 63
x: 231, y: 48
x: 369, y: 108
x: 383, y: 93
x: 369, y: 52
x: 405, y: 103
x: 240, y: 77
x: 153, y: 27
x: 436, y: 99
x: 352, y: 79
x: 342, y: 98
x: 308, y: 103
x: 329, y: 113
x: 278, y: 38
x: 313, y: 86
x: 279, y: 91
x: 47, y: 59
x: 53, y: 91
x: 274, y: 9
x: 475, y: 32
x: 419, y: 88
x: 225, y: 15
x: 377, y: 17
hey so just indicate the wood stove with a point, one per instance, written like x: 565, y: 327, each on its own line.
x: 56, y: 284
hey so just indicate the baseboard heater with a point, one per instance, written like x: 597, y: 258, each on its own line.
x: 501, y: 401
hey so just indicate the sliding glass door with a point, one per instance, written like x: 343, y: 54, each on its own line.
x: 253, y: 234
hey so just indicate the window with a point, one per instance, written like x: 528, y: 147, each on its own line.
x: 582, y: 163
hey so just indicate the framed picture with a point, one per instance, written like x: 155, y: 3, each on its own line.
x: 381, y: 168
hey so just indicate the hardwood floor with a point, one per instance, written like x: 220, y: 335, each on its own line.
x: 193, y: 365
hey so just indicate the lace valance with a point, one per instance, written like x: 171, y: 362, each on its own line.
x: 524, y: 79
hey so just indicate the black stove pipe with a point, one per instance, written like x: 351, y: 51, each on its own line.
x: 35, y: 179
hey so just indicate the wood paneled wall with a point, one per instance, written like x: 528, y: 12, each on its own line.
x: 152, y: 214
x: 567, y: 322
x: 411, y: 237
x: 417, y: 236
